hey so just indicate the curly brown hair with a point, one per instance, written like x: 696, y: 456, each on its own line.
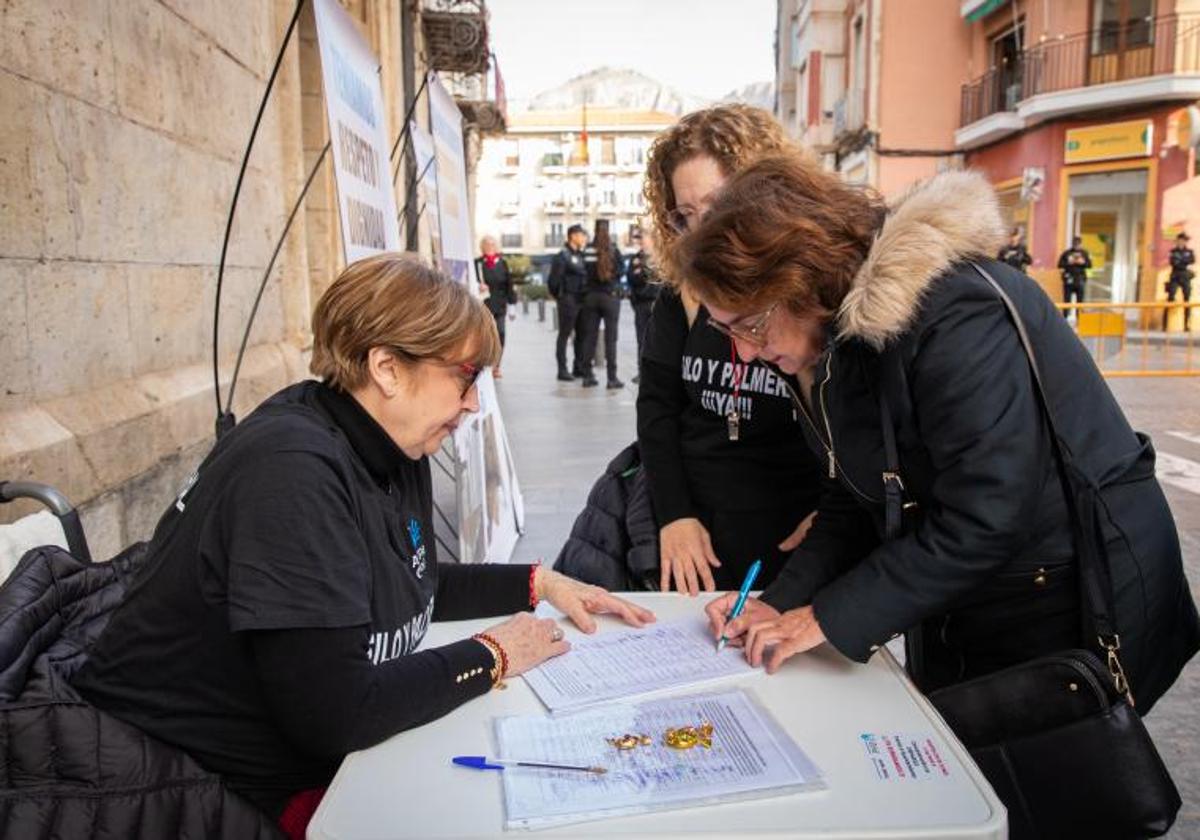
x: 785, y: 231
x: 731, y: 134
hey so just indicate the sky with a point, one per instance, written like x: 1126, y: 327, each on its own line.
x: 702, y: 47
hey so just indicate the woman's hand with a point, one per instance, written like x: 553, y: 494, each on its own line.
x: 528, y: 641
x: 580, y: 601
x: 753, y: 611
x: 686, y: 553
x: 797, y: 536
x: 793, y: 632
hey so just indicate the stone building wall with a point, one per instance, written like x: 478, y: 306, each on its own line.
x: 124, y: 126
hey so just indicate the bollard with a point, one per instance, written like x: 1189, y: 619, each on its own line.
x: 542, y: 313
x: 524, y: 306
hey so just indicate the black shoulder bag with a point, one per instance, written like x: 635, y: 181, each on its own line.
x: 1057, y: 736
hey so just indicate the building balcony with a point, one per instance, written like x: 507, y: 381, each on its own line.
x: 481, y: 97
x: 849, y: 115
x: 511, y: 240
x: 1142, y: 62
x: 508, y: 208
x: 554, y: 208
x: 456, y: 36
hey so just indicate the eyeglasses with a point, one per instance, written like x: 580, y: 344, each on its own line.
x: 469, y: 374
x: 682, y: 219
x: 754, y: 332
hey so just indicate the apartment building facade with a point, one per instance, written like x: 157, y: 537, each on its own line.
x: 553, y: 169
x: 1078, y: 111
x: 872, y: 86
x: 1081, y: 112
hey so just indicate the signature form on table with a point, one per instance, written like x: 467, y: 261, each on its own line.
x: 623, y: 663
x: 750, y: 756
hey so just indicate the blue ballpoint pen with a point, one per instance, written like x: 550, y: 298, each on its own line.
x: 740, y: 603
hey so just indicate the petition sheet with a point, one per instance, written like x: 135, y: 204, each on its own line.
x: 619, y: 664
x: 750, y: 756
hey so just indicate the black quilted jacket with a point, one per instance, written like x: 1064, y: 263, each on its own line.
x: 70, y: 770
x: 614, y: 541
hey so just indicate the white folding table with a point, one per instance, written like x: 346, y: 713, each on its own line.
x: 407, y: 786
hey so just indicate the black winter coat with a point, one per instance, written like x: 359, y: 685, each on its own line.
x: 614, y: 541
x: 498, y: 279
x: 985, y: 568
x: 71, y: 770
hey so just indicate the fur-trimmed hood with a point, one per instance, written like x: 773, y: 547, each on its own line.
x: 932, y: 226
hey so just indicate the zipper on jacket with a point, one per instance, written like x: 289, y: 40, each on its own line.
x: 824, y: 415
x: 829, y: 452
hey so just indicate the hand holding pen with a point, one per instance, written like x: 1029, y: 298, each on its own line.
x: 740, y: 603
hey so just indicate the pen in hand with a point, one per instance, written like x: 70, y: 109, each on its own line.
x: 740, y: 603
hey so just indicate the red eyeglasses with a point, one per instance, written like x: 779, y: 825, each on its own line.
x: 470, y: 374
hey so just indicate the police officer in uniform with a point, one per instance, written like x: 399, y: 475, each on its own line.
x: 601, y: 302
x: 1074, y: 264
x: 1181, y: 257
x: 1015, y: 253
x: 643, y: 286
x: 568, y: 276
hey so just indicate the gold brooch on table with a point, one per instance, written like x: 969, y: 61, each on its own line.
x: 628, y: 741
x: 686, y: 737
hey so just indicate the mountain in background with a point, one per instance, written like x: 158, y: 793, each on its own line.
x: 616, y: 87
x: 760, y: 94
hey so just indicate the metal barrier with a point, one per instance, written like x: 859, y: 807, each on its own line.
x: 1138, y: 339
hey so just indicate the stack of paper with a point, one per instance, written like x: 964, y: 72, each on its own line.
x: 624, y: 663
x: 751, y: 756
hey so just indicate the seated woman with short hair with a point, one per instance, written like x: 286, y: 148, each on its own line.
x: 273, y: 626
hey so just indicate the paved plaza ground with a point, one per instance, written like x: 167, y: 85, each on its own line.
x: 563, y: 435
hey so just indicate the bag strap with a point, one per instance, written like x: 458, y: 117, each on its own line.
x: 893, y: 485
x: 1081, y: 505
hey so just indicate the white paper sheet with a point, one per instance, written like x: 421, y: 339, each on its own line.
x: 751, y: 756
x: 620, y: 664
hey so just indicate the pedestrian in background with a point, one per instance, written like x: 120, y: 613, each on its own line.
x: 1074, y: 264
x: 730, y: 477
x: 566, y: 283
x: 496, y: 284
x: 1181, y: 257
x: 644, y: 285
x: 1015, y: 253
x: 601, y: 301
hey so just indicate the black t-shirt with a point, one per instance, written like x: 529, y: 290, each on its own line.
x: 685, y: 394
x: 306, y: 517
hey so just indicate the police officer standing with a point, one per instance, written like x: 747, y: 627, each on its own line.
x: 601, y: 301
x: 568, y: 277
x: 1074, y: 264
x: 1015, y: 253
x: 1181, y: 257
x: 643, y: 286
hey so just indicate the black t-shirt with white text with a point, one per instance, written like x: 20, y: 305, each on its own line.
x: 689, y: 373
x: 305, y: 516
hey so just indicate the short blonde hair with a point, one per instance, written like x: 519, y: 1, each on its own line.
x: 732, y: 134
x: 397, y: 301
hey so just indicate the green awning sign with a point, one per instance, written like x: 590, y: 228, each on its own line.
x: 983, y: 9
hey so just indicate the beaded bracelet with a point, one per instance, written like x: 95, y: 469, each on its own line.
x: 499, y: 658
x: 533, y: 598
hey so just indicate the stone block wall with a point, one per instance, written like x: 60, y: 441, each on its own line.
x: 124, y: 126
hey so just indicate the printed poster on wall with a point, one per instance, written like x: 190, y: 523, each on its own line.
x: 424, y: 196
x: 454, y: 210
x: 358, y: 134
x: 491, y: 511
